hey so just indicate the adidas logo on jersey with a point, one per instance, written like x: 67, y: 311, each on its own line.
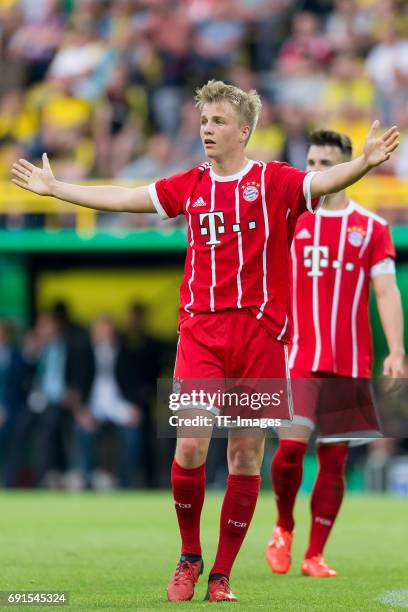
x: 199, y: 202
x: 304, y: 233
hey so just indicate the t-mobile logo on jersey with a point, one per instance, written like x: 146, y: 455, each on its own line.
x: 317, y: 257
x: 212, y: 225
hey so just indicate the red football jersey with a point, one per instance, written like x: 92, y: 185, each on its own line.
x: 333, y: 256
x: 239, y: 232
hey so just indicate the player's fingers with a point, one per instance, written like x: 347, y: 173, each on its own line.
x: 20, y: 183
x: 21, y: 175
x: 20, y: 168
x: 392, y: 138
x: 392, y: 147
x: 392, y: 130
x: 374, y: 127
x: 26, y: 164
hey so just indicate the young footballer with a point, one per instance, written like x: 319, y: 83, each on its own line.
x: 335, y: 255
x: 235, y: 296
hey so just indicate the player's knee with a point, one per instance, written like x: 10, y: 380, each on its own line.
x: 191, y: 452
x: 292, y: 451
x: 244, y: 460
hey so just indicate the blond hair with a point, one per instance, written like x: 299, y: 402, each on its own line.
x: 247, y: 104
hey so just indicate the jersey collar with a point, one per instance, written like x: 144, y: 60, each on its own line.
x: 324, y: 212
x: 232, y: 177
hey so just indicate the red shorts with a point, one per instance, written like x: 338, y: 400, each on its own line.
x: 338, y: 407
x: 233, y: 346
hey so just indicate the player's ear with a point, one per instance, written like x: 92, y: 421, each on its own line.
x: 245, y: 131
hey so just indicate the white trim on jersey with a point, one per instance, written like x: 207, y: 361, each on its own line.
x: 354, y: 310
x: 264, y: 263
x: 156, y: 202
x: 239, y: 240
x: 385, y: 266
x: 282, y: 333
x: 369, y: 213
x: 295, y: 340
x: 307, y: 183
x: 191, y: 279
x: 367, y: 239
x: 288, y: 383
x: 342, y: 212
x: 336, y: 290
x: 175, y: 361
x: 305, y: 421
x: 213, y: 266
x: 233, y: 177
x: 315, y: 302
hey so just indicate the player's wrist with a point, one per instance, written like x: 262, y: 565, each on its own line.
x: 55, y: 188
x: 366, y: 165
x: 398, y: 352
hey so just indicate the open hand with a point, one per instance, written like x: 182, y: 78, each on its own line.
x: 28, y: 176
x: 378, y: 149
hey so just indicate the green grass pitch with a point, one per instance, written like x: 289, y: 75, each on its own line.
x: 117, y: 551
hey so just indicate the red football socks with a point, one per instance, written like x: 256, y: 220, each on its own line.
x: 237, y: 510
x: 327, y: 494
x: 286, y: 473
x: 188, y: 492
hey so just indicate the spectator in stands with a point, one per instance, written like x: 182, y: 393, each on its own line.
x: 387, y: 65
x: 45, y: 354
x: 109, y: 397
x: 158, y: 161
x: 296, y: 143
x: 217, y: 40
x: 37, y: 39
x: 11, y: 388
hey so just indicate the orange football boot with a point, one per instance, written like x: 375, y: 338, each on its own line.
x: 317, y: 568
x: 278, y: 555
x: 219, y: 590
x: 183, y: 581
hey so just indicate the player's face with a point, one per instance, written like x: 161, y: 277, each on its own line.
x: 323, y: 157
x: 221, y: 132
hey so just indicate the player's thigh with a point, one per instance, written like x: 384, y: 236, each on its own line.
x: 257, y: 354
x: 245, y: 451
x: 199, y: 355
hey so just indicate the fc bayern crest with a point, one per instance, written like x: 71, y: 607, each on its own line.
x: 356, y: 236
x: 250, y: 191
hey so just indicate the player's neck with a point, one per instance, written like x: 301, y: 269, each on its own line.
x: 336, y: 201
x: 229, y: 166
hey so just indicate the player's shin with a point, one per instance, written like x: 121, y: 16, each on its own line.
x: 327, y: 495
x: 237, y: 511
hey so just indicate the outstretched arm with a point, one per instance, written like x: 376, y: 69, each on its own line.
x: 109, y: 198
x: 390, y: 311
x: 377, y: 150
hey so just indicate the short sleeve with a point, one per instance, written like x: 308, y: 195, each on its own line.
x: 296, y: 186
x: 168, y: 194
x: 382, y: 246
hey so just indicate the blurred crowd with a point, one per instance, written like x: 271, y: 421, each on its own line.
x: 105, y: 86
x: 77, y: 405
